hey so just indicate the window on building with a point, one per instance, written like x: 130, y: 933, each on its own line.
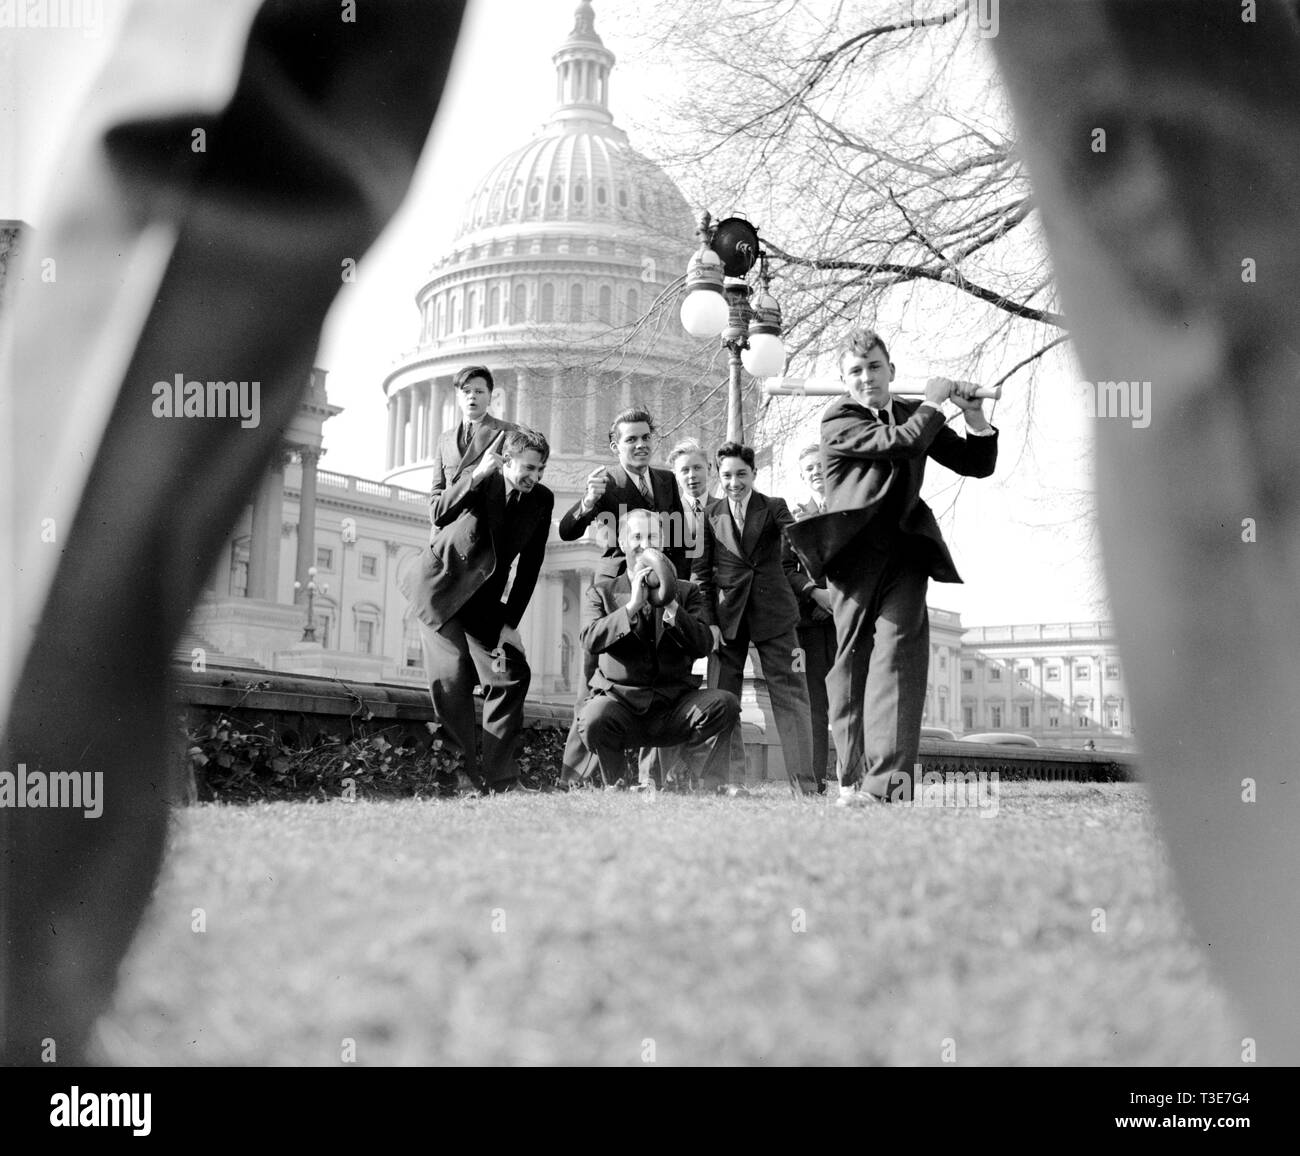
x: 943, y: 660
x: 324, y: 558
x: 471, y: 310
x: 575, y: 302
x: 493, y: 306
x: 1082, y: 721
x: 440, y: 327
x: 519, y: 305
x: 1053, y: 674
x: 968, y: 718
x: 1053, y: 719
x: 1112, y: 670
x: 369, y: 565
x: 995, y: 674
x: 557, y: 191
x: 579, y: 193
x: 995, y: 717
x: 414, y: 653
x: 967, y: 674
x: 324, y: 626
x: 365, y: 636
x: 239, y: 569
x: 1023, y: 673
x: 633, y: 305
x: 1112, y: 716
x: 602, y: 194
x: 1082, y: 670
x: 546, y: 308
x: 943, y: 707
x: 622, y: 198
x: 605, y: 310
x: 566, y: 660
x: 1024, y: 717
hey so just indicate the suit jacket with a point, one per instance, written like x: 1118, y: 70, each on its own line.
x: 448, y: 462
x: 622, y: 493
x: 642, y: 664
x: 803, y: 583
x: 873, y: 474
x: 747, y: 581
x: 468, y: 560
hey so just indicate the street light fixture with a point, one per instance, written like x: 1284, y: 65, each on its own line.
x: 716, y: 301
x: 309, y: 631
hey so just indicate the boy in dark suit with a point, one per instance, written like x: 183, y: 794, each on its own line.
x: 630, y: 484
x: 643, y: 692
x: 463, y: 448
x: 482, y: 522
x: 880, y: 545
x: 816, y: 624
x: 744, y: 571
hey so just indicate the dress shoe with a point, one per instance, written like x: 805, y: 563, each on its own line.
x: 857, y: 797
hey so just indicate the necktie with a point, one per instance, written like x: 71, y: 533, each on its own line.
x: 512, y: 502
x: 466, y: 435
x: 738, y: 516
x: 885, y: 416
x: 643, y: 484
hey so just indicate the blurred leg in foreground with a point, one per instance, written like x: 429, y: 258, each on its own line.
x: 1175, y: 235
x: 237, y: 158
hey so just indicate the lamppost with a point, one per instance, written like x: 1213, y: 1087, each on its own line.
x: 716, y: 302
x: 309, y: 631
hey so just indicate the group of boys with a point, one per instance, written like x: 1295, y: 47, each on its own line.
x: 832, y: 596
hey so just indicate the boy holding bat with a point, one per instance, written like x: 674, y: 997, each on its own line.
x: 879, y: 545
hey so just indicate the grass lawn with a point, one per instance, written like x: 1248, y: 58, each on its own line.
x: 621, y: 920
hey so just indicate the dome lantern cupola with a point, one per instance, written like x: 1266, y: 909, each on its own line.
x: 582, y: 67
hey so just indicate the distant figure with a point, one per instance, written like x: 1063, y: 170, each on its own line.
x: 643, y: 692
x: 462, y: 448
x: 744, y: 570
x: 483, y: 521
x: 1090, y: 745
x: 816, y: 624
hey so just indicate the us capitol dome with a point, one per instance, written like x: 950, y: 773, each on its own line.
x: 562, y: 249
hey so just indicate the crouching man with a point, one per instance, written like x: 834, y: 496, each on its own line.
x: 643, y: 693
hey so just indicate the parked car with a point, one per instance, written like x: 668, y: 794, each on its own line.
x: 938, y: 733
x: 998, y: 738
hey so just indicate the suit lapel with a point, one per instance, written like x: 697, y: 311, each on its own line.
x: 479, y: 444
x: 724, y: 529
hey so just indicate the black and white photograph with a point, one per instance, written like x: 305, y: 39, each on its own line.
x: 704, y: 534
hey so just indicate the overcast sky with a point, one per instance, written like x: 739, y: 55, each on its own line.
x: 1018, y: 538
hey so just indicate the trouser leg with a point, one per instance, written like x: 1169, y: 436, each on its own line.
x: 702, y: 721
x: 727, y: 672
x: 895, y: 686
x: 452, y: 677
x: 505, y: 678
x: 788, y: 690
